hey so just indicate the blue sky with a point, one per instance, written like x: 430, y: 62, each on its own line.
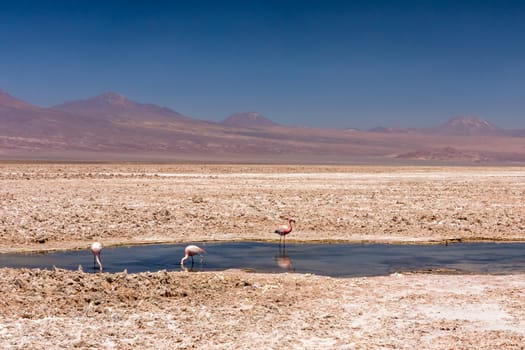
x: 318, y: 63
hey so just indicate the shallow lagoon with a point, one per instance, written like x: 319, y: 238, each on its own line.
x: 337, y: 260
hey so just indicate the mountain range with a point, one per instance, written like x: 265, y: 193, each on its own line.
x: 112, y: 127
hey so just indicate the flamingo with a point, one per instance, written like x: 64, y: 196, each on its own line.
x: 96, y: 248
x: 284, y: 230
x: 191, y: 250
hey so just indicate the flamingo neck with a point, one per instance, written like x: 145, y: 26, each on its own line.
x: 98, y: 262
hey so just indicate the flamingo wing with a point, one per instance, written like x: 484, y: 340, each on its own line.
x: 284, y: 230
x: 194, y: 250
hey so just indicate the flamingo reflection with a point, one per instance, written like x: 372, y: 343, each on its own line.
x: 283, y: 260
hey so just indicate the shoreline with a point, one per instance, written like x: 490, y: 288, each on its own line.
x: 85, y: 245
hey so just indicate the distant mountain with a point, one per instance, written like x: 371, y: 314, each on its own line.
x: 443, y: 154
x: 382, y: 129
x: 108, y: 122
x: 453, y: 127
x: 352, y: 129
x: 516, y: 132
x: 248, y: 120
x: 8, y: 101
x: 27, y: 127
x: 466, y: 126
x: 112, y: 127
x: 114, y: 106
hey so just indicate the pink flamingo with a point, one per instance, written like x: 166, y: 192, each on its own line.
x: 96, y: 248
x: 191, y: 250
x: 284, y: 230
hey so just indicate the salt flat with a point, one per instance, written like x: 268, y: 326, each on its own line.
x: 59, y: 206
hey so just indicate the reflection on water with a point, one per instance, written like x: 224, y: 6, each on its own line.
x: 338, y: 260
x: 193, y: 266
x: 283, y: 260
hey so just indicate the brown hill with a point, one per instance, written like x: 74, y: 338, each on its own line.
x: 467, y: 126
x: 248, y: 120
x: 113, y: 127
x: 115, y: 107
x: 444, y: 154
x: 28, y: 128
x: 386, y: 130
x: 9, y: 102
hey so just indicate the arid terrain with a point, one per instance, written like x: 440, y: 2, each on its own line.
x: 67, y: 206
x: 112, y: 127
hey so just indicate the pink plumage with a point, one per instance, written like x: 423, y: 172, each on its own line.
x: 96, y: 249
x: 191, y: 250
x: 284, y: 230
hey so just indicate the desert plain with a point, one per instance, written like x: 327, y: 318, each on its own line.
x: 52, y: 206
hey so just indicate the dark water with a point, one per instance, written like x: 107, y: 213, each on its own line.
x: 338, y: 260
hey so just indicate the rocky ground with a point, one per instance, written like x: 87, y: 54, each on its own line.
x: 59, y: 206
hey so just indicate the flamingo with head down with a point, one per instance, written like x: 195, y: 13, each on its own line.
x: 96, y: 249
x: 190, y: 251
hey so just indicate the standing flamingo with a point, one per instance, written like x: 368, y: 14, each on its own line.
x: 284, y: 230
x: 191, y: 250
x: 96, y: 248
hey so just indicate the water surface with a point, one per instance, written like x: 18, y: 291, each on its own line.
x: 337, y: 260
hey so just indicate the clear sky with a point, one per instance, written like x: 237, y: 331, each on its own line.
x: 317, y: 63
